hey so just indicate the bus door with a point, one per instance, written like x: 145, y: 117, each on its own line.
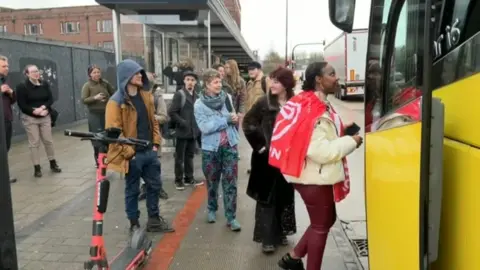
x: 399, y: 142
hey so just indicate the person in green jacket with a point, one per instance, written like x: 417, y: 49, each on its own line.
x: 95, y: 94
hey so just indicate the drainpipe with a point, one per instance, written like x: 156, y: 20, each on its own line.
x: 209, y: 42
x: 88, y: 30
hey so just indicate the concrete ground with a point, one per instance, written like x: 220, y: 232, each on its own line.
x: 351, y: 211
x: 53, y: 218
x: 53, y: 213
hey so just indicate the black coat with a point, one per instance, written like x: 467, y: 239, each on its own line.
x: 183, y: 117
x: 266, y: 184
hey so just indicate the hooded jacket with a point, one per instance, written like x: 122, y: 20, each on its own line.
x: 121, y: 113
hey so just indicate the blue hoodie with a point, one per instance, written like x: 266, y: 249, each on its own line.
x: 125, y: 71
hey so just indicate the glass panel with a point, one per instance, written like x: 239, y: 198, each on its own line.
x: 155, y: 41
x: 384, y: 104
x: 373, y: 91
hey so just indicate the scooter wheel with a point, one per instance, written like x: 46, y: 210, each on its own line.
x: 138, y: 238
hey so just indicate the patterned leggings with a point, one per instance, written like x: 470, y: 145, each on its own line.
x: 222, y: 165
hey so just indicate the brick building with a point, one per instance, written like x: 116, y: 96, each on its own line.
x: 235, y: 10
x: 90, y: 25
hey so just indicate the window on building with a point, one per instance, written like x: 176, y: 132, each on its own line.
x: 70, y: 27
x: 3, y: 28
x: 108, y: 45
x: 104, y: 26
x: 33, y: 29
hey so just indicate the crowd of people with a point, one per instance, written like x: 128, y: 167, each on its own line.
x: 298, y: 142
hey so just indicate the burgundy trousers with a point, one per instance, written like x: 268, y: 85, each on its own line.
x: 321, y: 210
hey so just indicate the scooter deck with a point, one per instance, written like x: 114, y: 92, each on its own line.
x: 128, y: 255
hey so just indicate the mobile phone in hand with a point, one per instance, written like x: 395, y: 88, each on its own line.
x: 352, y: 130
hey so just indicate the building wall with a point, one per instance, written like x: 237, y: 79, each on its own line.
x: 63, y: 66
x: 94, y: 22
x: 235, y: 10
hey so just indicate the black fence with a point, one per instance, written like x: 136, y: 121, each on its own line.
x: 63, y: 65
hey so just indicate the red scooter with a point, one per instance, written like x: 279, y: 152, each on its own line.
x: 138, y: 250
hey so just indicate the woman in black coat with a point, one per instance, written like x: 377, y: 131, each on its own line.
x: 275, y: 210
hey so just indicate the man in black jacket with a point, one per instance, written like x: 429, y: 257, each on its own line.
x: 8, y: 99
x: 186, y: 131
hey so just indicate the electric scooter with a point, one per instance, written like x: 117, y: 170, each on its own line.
x: 139, y: 247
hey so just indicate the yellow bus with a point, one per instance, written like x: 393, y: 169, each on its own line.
x: 422, y: 142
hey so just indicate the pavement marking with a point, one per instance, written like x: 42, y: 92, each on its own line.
x: 164, y: 252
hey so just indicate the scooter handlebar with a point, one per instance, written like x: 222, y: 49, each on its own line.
x: 79, y: 134
x: 103, y: 138
x: 132, y: 141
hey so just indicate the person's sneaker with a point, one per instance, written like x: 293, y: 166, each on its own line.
x: 193, y: 182
x: 234, y: 225
x: 283, y: 241
x: 289, y: 263
x: 268, y: 249
x: 179, y: 185
x: 211, y: 217
x: 134, y: 225
x: 13, y: 180
x: 143, y: 193
x: 158, y: 224
x: 163, y: 194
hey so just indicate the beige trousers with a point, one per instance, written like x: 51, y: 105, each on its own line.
x: 39, y: 129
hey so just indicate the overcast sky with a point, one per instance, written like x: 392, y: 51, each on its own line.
x: 263, y: 21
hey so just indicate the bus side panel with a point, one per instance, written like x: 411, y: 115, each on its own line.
x: 392, y: 173
x: 460, y: 222
x: 462, y: 109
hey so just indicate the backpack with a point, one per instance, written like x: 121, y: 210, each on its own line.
x: 155, y: 102
x: 183, y: 99
x: 229, y: 104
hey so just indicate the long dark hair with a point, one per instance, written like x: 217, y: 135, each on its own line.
x: 313, y: 70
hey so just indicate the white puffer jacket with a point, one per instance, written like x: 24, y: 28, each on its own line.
x: 323, y: 165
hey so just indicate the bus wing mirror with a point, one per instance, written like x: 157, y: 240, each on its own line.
x: 342, y: 13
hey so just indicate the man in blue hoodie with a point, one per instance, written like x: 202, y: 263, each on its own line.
x: 132, y: 109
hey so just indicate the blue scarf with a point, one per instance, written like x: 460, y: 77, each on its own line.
x: 214, y: 102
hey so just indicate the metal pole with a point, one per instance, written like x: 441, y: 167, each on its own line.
x: 117, y: 38
x: 147, y: 49
x: 209, y: 42
x: 286, y: 33
x: 8, y: 260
